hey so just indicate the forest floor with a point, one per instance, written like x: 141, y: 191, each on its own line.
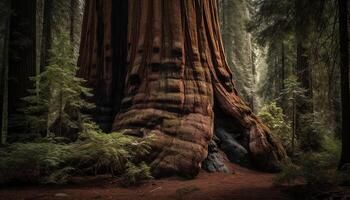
x: 242, y: 184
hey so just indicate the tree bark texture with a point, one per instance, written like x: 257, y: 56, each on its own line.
x: 174, y: 72
x: 22, y: 51
x: 46, y: 34
x: 102, y: 58
x: 4, y: 70
x: 345, y: 97
x: 305, y: 25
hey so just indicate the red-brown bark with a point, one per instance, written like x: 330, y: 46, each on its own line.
x: 175, y: 69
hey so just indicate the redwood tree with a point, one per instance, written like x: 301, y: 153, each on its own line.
x: 159, y: 66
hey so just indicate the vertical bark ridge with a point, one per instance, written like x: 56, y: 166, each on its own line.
x: 103, y: 56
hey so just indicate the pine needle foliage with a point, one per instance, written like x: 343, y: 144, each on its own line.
x: 293, y: 90
x: 59, y: 95
x: 318, y: 169
x: 136, y: 174
x: 99, y: 152
x: 49, y: 161
x: 41, y: 162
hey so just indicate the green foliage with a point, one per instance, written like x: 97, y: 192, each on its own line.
x: 278, y: 24
x: 96, y: 151
x: 293, y: 91
x: 273, y: 117
x: 58, y: 96
x: 273, y: 20
x: 135, y: 174
x: 35, y: 162
x: 316, y: 168
x: 313, y: 132
x: 49, y: 162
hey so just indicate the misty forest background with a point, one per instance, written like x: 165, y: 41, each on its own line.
x: 284, y: 55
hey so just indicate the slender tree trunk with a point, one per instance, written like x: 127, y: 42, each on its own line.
x: 294, y: 130
x: 282, y: 77
x: 39, y: 35
x: 304, y: 27
x: 75, y: 19
x: 4, y: 84
x: 175, y: 68
x: 60, y: 113
x: 344, y: 73
x: 72, y: 19
x: 22, y: 54
x: 253, y: 98
x: 47, y: 34
x: 283, y: 66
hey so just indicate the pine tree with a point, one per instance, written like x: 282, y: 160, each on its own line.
x: 57, y: 104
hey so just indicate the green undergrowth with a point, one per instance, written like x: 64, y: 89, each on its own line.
x: 50, y: 161
x: 317, y: 169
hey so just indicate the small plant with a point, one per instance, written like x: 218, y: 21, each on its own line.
x: 318, y: 169
x: 35, y: 162
x: 135, y: 174
x: 56, y: 102
x: 313, y: 132
x: 99, y: 152
x: 273, y: 117
x: 49, y: 162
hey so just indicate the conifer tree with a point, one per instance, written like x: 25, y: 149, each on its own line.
x: 57, y: 103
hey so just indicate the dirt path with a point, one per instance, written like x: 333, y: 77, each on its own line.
x: 244, y: 184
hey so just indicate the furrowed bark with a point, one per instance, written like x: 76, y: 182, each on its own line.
x: 174, y: 71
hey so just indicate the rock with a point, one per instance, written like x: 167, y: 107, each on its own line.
x: 234, y: 151
x: 61, y: 195
x: 215, y: 161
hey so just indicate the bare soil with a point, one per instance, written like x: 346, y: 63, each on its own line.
x: 242, y: 184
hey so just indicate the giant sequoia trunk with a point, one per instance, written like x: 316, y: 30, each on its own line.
x: 174, y: 75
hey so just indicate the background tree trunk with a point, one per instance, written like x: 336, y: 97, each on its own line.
x: 238, y: 47
x: 102, y: 58
x: 22, y: 52
x: 4, y: 70
x: 175, y: 71
x: 304, y: 26
x: 46, y: 34
x: 344, y: 73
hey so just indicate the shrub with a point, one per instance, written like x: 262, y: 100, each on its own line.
x: 316, y: 168
x: 313, y: 132
x: 135, y: 174
x: 35, y: 162
x: 55, y: 104
x: 49, y: 162
x: 273, y: 117
x: 99, y: 152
